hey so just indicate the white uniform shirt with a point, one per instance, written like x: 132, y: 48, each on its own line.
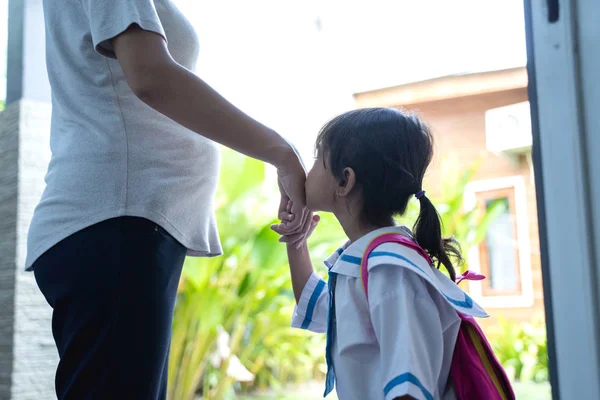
x: 402, y: 340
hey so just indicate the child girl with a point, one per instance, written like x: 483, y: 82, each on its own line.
x: 399, y: 343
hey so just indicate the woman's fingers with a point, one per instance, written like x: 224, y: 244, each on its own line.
x: 297, y: 225
x: 284, y: 202
x: 301, y: 236
x: 278, y: 228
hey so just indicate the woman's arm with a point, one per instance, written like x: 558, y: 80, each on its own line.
x: 177, y: 93
x: 172, y: 90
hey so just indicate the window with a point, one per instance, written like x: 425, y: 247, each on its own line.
x: 503, y: 256
x: 499, y: 251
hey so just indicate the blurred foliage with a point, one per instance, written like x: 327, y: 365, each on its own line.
x: 522, y: 349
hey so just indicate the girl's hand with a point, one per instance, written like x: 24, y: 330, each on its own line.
x: 295, y: 239
x: 299, y: 239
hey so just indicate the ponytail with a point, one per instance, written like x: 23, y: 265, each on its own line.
x: 428, y: 234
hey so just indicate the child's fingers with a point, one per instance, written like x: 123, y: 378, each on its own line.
x: 294, y: 238
x: 299, y: 238
x: 301, y: 215
x: 279, y: 228
x: 298, y: 223
x: 314, y: 221
x: 285, y: 239
x: 285, y: 216
x: 313, y: 225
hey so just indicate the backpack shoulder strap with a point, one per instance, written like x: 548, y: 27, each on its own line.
x: 387, y: 238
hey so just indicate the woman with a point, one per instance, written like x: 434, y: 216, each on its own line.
x: 130, y: 188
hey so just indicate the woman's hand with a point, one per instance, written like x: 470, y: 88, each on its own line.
x: 291, y: 178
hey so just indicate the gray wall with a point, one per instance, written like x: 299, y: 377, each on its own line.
x: 9, y: 156
x: 28, y: 357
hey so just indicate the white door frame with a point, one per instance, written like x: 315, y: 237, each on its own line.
x: 564, y: 67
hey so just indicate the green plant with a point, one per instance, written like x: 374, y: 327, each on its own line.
x: 522, y: 349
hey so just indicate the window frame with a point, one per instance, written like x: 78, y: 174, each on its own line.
x: 524, y: 297
x: 485, y: 267
x: 563, y: 65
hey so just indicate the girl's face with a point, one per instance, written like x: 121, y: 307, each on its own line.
x: 320, y: 186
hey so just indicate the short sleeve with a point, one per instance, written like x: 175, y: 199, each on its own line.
x: 313, y: 306
x: 409, y: 332
x: 109, y: 18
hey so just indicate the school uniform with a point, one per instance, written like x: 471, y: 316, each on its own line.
x: 399, y: 342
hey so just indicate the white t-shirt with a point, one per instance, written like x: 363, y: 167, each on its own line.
x: 112, y: 155
x: 402, y: 340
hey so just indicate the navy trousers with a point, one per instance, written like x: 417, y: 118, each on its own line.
x: 112, y: 288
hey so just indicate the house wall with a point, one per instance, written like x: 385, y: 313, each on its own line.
x: 459, y: 129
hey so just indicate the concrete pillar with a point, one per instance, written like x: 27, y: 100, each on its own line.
x: 28, y: 357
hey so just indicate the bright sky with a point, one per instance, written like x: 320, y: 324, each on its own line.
x: 379, y: 42
x: 294, y: 64
x: 270, y: 58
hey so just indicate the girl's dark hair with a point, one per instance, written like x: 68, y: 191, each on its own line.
x: 389, y: 151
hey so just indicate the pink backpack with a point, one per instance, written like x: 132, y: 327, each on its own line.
x: 475, y: 371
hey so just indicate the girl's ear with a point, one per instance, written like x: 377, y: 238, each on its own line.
x: 347, y: 184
